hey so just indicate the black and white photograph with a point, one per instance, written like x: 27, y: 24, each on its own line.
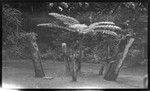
x: 74, y: 45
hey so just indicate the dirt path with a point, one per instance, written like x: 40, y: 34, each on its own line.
x: 21, y: 75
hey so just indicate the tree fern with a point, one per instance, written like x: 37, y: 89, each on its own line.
x: 74, y: 25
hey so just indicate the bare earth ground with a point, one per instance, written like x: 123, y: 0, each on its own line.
x: 20, y: 74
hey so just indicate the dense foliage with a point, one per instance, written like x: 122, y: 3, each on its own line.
x: 130, y: 16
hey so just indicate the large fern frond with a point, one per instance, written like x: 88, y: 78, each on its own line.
x: 57, y: 26
x: 66, y: 19
x: 102, y: 26
x: 109, y: 27
x: 100, y: 23
x: 109, y: 32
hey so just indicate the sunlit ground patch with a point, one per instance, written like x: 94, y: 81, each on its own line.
x: 6, y: 89
x: 10, y: 86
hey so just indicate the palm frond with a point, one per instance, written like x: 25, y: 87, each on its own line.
x: 109, y: 27
x: 109, y: 32
x: 56, y: 26
x: 66, y: 19
x: 100, y: 23
x: 102, y: 26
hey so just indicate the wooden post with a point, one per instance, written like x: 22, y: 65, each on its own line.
x: 66, y: 59
x: 145, y: 81
x: 39, y: 72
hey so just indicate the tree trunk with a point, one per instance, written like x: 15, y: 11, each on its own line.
x: 101, y: 70
x: 68, y: 65
x: 78, y: 61
x: 36, y: 60
x: 113, y: 69
x: 110, y: 74
x: 74, y: 74
x: 124, y: 54
x: 67, y: 59
x: 102, y: 67
x: 105, y: 63
x: 38, y: 66
x: 80, y: 54
x: 108, y: 55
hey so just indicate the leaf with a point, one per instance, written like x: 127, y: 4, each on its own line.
x: 97, y: 23
x: 56, y: 26
x: 66, y: 19
x: 102, y: 26
x: 111, y: 27
x: 107, y: 32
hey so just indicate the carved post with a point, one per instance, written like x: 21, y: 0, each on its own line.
x: 36, y: 58
x: 66, y: 59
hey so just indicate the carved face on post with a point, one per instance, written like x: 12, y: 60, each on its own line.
x: 34, y: 41
x: 32, y: 38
